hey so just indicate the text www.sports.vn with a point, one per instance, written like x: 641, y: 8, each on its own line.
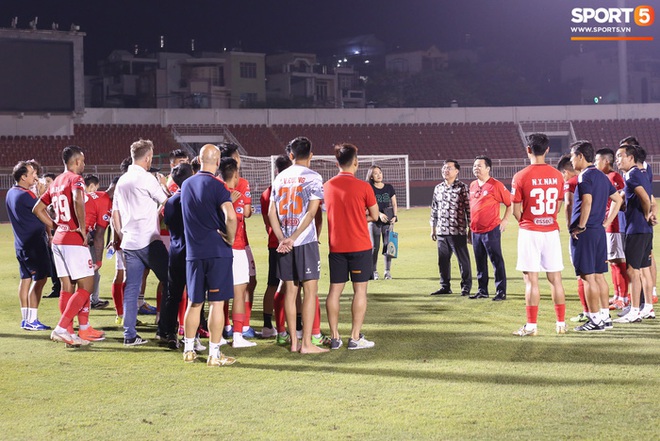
x: 598, y: 29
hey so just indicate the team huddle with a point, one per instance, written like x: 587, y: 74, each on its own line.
x: 203, y: 249
x: 601, y: 231
x: 189, y: 230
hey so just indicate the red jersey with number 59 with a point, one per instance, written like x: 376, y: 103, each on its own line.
x: 60, y: 194
x: 540, y: 190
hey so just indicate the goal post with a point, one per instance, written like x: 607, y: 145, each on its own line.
x: 260, y: 172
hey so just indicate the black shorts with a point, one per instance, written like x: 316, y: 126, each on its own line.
x: 358, y: 264
x: 34, y: 262
x: 638, y: 249
x: 300, y: 264
x: 272, y: 268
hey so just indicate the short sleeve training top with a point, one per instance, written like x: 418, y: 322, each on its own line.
x: 293, y: 189
x: 27, y: 227
x: 540, y: 190
x: 485, y: 203
x: 594, y: 182
x: 202, y: 195
x: 346, y: 199
x: 60, y: 194
x: 98, y: 210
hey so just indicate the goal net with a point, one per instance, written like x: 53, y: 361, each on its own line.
x: 260, y: 172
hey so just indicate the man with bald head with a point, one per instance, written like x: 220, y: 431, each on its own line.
x: 209, y: 223
x: 137, y: 201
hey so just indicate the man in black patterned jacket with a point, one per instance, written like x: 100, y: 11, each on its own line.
x: 450, y: 220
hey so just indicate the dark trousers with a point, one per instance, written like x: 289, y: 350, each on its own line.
x: 154, y: 257
x: 57, y: 285
x: 489, y: 245
x: 448, y: 245
x: 176, y: 281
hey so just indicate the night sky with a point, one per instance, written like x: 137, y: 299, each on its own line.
x: 525, y: 32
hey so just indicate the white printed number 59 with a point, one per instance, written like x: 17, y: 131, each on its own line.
x: 545, y: 201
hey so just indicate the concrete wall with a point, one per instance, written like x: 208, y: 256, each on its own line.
x: 44, y: 124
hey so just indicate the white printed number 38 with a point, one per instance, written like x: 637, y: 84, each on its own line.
x: 545, y: 201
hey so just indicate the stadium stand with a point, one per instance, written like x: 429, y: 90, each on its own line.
x: 420, y: 141
x: 104, y: 144
x: 608, y: 133
x: 107, y: 144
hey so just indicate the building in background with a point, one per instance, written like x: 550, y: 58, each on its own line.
x: 232, y: 79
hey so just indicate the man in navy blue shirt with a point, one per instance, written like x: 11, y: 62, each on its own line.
x: 639, y: 232
x: 173, y: 218
x: 31, y: 243
x: 210, y: 224
x: 588, y: 239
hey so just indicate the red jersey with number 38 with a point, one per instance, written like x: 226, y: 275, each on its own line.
x: 540, y: 190
x: 60, y: 195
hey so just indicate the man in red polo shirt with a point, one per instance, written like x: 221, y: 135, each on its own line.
x: 346, y: 199
x: 486, y: 195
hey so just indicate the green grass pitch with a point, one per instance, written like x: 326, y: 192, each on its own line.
x: 443, y: 368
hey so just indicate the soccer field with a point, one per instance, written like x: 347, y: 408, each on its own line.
x: 444, y: 367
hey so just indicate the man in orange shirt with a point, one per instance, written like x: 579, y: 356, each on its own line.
x: 346, y: 199
x: 486, y: 195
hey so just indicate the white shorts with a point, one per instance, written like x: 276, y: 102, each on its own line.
x: 241, y: 267
x: 253, y: 266
x: 539, y: 251
x: 615, y: 246
x: 73, y: 261
x: 120, y: 260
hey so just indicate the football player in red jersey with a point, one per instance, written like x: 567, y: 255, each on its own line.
x: 538, y: 191
x: 73, y: 261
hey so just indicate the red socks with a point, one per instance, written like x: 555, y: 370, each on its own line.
x: 117, y: 291
x: 280, y: 315
x: 159, y: 296
x: 560, y: 311
x: 623, y: 280
x: 74, y: 306
x: 316, y: 326
x: 226, y: 313
x: 83, y: 315
x: 183, y: 305
x: 248, y: 313
x: 532, y: 314
x: 64, y: 300
x: 583, y: 300
x: 238, y: 322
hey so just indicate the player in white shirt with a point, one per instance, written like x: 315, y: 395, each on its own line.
x: 295, y: 199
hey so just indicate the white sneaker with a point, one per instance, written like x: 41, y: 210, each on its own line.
x: 375, y: 275
x: 63, y: 337
x: 241, y: 342
x: 387, y: 276
x: 629, y: 318
x: 77, y: 342
x: 361, y: 343
x: 199, y: 347
x: 647, y: 313
x: 268, y: 332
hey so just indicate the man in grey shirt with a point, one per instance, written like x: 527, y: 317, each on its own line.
x: 450, y: 220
